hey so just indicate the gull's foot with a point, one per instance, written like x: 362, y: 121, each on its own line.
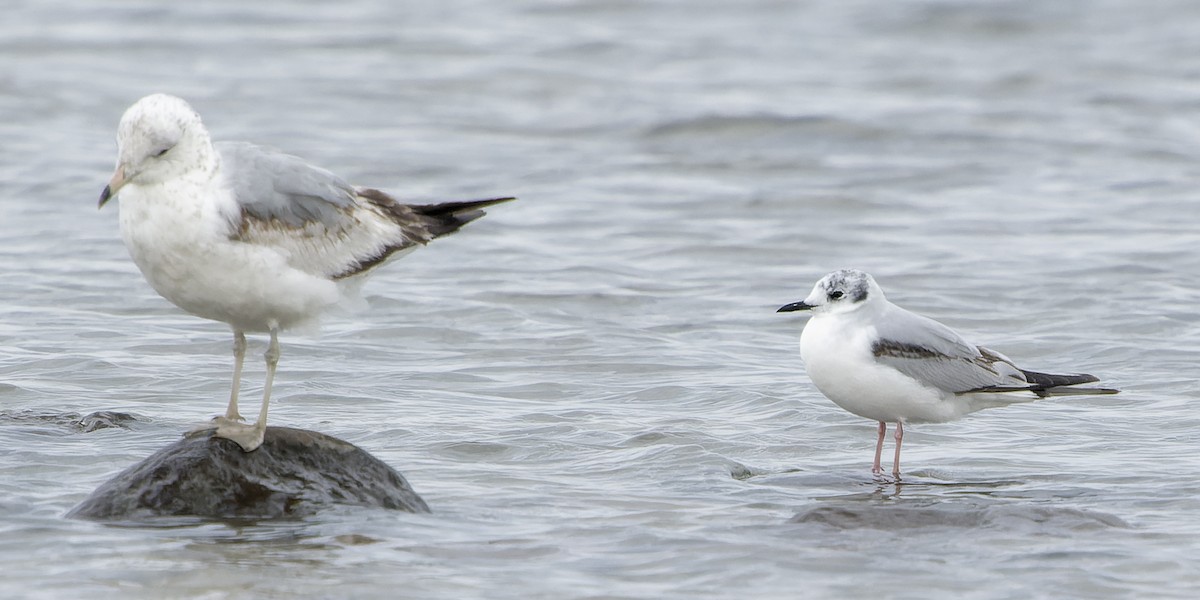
x: 881, y: 478
x: 216, y: 423
x: 219, y: 422
x: 249, y: 437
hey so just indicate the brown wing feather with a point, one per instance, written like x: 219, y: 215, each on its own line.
x: 419, y: 224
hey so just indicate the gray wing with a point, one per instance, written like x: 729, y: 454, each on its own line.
x: 272, y: 186
x: 937, y: 356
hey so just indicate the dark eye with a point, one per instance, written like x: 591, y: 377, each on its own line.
x: 162, y: 152
x: 834, y: 295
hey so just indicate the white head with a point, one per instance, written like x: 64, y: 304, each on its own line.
x: 159, y: 138
x: 839, y: 292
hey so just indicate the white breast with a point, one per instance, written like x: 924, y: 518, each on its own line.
x: 836, y: 350
x: 179, y: 241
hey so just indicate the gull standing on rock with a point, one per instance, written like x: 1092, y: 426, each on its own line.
x: 250, y: 236
x: 884, y: 363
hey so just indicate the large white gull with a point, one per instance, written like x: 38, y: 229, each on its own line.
x: 250, y: 236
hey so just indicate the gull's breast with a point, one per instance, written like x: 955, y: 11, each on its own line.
x: 181, y: 245
x: 837, y: 356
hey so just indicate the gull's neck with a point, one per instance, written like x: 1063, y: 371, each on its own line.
x: 188, y: 201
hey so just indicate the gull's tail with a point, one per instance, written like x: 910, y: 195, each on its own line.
x: 1046, y: 384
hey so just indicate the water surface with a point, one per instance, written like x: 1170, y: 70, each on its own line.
x: 590, y: 386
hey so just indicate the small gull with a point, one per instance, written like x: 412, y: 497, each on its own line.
x: 252, y: 237
x: 884, y: 363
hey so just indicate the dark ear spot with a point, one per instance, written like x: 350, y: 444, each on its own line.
x: 859, y: 293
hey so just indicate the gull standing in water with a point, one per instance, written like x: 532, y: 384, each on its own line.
x: 884, y: 363
x: 249, y: 236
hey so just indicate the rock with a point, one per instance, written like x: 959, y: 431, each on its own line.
x: 104, y: 419
x: 294, y: 473
x: 81, y: 424
x: 959, y: 513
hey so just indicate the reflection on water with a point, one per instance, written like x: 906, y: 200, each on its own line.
x: 1006, y: 505
x: 1035, y: 519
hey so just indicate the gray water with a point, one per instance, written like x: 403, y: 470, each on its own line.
x: 590, y: 387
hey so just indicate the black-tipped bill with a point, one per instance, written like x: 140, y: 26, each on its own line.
x: 114, y: 185
x: 793, y: 307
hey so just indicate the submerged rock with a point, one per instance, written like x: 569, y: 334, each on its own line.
x: 81, y: 424
x: 294, y: 473
x: 947, y: 512
x: 104, y: 419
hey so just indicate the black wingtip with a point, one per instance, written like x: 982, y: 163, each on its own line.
x: 455, y: 208
x: 1047, y: 384
x: 447, y: 217
x: 1048, y: 380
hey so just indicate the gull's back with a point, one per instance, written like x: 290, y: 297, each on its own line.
x: 273, y: 186
x: 937, y: 356
x: 322, y: 224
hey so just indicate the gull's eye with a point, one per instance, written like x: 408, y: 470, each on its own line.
x: 161, y: 152
x: 835, y: 295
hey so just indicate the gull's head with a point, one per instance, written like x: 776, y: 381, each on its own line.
x: 159, y: 138
x: 839, y: 292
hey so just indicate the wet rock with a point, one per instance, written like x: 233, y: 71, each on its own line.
x: 872, y: 516
x: 1014, y: 517
x: 82, y: 424
x: 294, y: 473
x: 104, y: 419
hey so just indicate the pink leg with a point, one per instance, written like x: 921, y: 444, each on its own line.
x: 899, y: 438
x: 876, y: 468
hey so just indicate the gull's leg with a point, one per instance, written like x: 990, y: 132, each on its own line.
x: 899, y: 438
x: 876, y: 468
x: 272, y: 357
x: 239, y: 356
x: 250, y: 437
